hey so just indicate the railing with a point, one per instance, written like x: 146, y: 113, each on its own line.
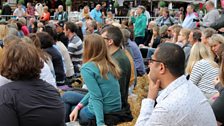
x: 118, y: 18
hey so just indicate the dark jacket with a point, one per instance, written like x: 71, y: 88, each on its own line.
x: 31, y: 103
x: 57, y: 63
x: 61, y: 37
x: 6, y: 10
x: 219, y: 23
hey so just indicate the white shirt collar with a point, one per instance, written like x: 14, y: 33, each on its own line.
x: 172, y: 86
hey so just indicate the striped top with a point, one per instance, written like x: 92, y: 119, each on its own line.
x: 75, y: 50
x: 203, y: 74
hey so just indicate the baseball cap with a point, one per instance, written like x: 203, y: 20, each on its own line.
x: 61, y: 24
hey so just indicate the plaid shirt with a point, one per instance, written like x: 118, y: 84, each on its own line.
x: 30, y: 11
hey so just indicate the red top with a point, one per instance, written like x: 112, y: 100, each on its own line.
x: 45, y: 16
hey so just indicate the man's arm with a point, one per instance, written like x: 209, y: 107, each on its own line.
x: 147, y: 114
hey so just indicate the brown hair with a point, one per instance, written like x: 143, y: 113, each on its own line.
x: 21, y: 61
x: 221, y: 75
x: 176, y: 29
x: 3, y: 31
x: 95, y: 50
x: 36, y: 42
x: 208, y: 32
x: 185, y: 32
x: 11, y: 39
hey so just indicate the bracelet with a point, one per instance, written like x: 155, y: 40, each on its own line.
x: 79, y: 106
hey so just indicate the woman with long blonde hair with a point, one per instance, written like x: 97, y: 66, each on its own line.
x: 202, y: 69
x: 100, y: 74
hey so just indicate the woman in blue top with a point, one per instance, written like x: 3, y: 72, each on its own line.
x: 100, y: 75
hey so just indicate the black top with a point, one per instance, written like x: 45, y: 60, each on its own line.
x: 156, y: 42
x: 57, y: 63
x: 61, y: 37
x: 218, y: 106
x: 6, y: 10
x: 31, y: 103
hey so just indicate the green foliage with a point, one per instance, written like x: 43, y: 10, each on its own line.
x: 68, y: 2
x: 116, y: 5
x: 162, y: 4
x: 21, y: 1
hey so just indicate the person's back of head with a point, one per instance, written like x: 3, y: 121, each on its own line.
x: 208, y: 32
x: 93, y: 24
x: 27, y: 40
x: 51, y: 31
x: 28, y: 62
x: 9, y: 39
x: 197, y: 35
x: 126, y: 35
x: 173, y: 57
x: 198, y: 52
x: 113, y: 33
x: 209, y: 4
x: 3, y: 31
x: 95, y: 50
x: 45, y: 39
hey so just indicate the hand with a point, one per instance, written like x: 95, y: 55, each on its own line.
x: 141, y: 45
x: 74, y: 114
x: 150, y: 44
x: 132, y: 13
x: 221, y: 29
x: 153, y: 88
x: 216, y: 81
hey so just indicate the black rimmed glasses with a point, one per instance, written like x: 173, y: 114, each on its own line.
x: 153, y: 60
x: 106, y: 38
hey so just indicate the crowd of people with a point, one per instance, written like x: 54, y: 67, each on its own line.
x: 40, y: 57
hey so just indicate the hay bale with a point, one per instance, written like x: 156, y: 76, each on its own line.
x: 140, y: 92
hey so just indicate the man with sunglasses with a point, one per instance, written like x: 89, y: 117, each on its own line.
x: 180, y: 101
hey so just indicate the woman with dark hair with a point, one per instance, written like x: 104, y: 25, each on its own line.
x: 69, y: 68
x: 20, y: 32
x: 27, y: 100
x: 47, y: 44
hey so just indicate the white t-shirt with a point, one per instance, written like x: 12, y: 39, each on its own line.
x: 19, y: 12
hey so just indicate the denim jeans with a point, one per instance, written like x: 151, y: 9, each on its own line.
x: 85, y: 115
x: 71, y: 99
x: 139, y: 40
x: 150, y: 52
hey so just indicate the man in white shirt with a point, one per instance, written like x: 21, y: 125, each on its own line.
x: 180, y: 102
x: 19, y: 12
x: 211, y: 16
x: 188, y: 21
